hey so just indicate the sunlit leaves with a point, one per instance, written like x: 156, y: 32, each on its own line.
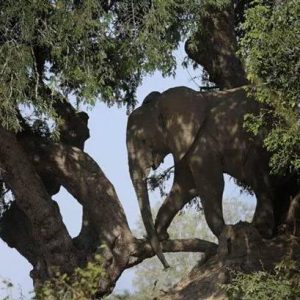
x: 270, y: 49
x: 80, y: 48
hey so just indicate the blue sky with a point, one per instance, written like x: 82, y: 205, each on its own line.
x: 107, y: 146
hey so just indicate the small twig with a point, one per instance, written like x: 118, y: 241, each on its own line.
x: 158, y: 180
x: 37, y: 75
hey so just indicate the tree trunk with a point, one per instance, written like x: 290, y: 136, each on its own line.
x: 48, y: 231
x: 214, y: 47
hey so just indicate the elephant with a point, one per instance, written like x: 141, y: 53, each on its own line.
x: 204, y: 132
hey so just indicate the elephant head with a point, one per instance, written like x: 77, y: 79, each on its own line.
x: 165, y: 123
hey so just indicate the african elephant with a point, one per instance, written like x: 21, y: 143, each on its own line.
x: 204, y: 133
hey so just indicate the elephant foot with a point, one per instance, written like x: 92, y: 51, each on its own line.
x: 163, y: 235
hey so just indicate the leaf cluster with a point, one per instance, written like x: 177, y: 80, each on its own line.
x: 82, y: 284
x: 283, y: 283
x: 159, y: 179
x: 271, y: 53
x: 86, y: 50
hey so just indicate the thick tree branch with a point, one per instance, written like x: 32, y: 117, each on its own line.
x: 144, y: 249
x: 214, y: 47
x: 84, y: 179
x: 49, y: 231
x: 16, y: 231
x: 73, y: 128
x: 104, y: 220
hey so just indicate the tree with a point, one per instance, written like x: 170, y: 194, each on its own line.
x: 56, y: 55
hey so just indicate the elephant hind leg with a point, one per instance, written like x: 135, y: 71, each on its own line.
x: 182, y: 191
x: 209, y: 181
x: 257, y: 174
x: 263, y: 218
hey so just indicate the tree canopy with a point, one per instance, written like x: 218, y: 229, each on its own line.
x: 89, y: 49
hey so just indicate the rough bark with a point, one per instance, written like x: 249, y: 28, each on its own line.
x: 16, y: 231
x: 103, y: 213
x: 214, y: 47
x: 48, y: 230
x: 143, y: 248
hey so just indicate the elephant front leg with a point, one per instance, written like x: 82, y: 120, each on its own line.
x: 182, y: 191
x: 209, y: 181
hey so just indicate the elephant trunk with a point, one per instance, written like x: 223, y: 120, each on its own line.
x: 140, y: 186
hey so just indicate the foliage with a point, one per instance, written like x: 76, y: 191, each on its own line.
x: 284, y: 283
x: 159, y: 179
x: 87, y: 50
x: 270, y: 49
x: 82, y: 284
x: 150, y: 279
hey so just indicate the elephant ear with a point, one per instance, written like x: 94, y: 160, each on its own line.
x: 153, y: 96
x: 182, y: 113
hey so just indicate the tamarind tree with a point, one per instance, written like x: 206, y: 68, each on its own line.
x: 57, y: 54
